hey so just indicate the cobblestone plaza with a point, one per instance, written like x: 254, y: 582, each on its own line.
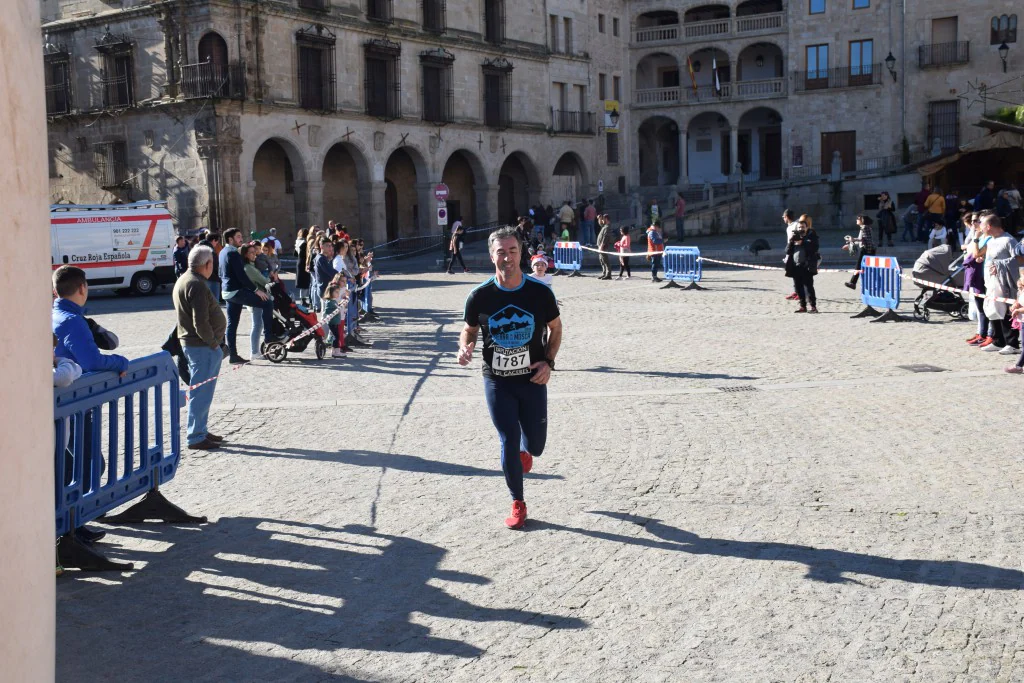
x: 730, y: 493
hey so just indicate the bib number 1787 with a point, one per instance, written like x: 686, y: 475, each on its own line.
x: 511, y: 362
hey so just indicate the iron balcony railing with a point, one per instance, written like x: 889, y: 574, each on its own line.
x: 685, y: 94
x: 943, y: 54
x: 563, y: 121
x: 839, y: 77
x: 58, y: 99
x: 699, y: 30
x: 207, y: 79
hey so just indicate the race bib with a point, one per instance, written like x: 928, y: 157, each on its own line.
x: 510, y: 362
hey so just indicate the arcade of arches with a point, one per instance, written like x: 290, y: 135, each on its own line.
x: 274, y: 197
x: 341, y: 187
x: 461, y: 181
x: 518, y: 187
x: 401, y: 206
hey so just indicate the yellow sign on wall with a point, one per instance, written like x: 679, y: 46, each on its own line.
x: 611, y: 123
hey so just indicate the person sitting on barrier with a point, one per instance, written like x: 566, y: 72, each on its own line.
x: 1001, y: 276
x: 201, y: 329
x: 74, y: 338
x: 864, y: 241
x: 802, y: 263
x: 605, y: 243
x: 623, y: 246
x: 655, y: 243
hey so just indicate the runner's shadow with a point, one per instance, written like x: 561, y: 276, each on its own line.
x: 394, y: 461
x: 252, y: 599
x: 604, y: 369
x: 823, y: 564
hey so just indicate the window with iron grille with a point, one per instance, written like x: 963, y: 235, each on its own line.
x: 617, y: 88
x: 117, y: 76
x: 434, y: 16
x: 944, y: 124
x: 602, y: 87
x: 438, y: 93
x: 497, y: 75
x: 316, y: 68
x: 612, y: 145
x: 316, y: 5
x: 380, y: 10
x: 494, y: 21
x: 57, y: 67
x: 110, y: 160
x: 1004, y: 29
x: 383, y: 84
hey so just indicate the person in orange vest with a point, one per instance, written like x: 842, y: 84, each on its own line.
x: 655, y: 243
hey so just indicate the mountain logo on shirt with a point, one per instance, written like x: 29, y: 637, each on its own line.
x: 511, y: 327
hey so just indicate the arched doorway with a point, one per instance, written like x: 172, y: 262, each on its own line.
x: 274, y: 198
x: 760, y: 71
x: 759, y: 150
x: 344, y: 170
x: 569, y: 179
x: 708, y: 148
x: 658, y: 151
x: 402, y: 210
x: 518, y: 187
x: 213, y: 49
x: 462, y: 173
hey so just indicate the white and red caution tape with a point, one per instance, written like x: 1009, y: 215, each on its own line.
x: 955, y: 290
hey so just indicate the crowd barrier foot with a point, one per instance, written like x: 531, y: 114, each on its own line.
x: 889, y: 316
x: 576, y: 273
x: 868, y: 312
x: 694, y: 286
x: 671, y: 284
x: 154, y: 507
x: 73, y: 553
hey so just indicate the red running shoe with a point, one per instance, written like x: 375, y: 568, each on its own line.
x: 793, y: 297
x: 527, y: 461
x: 987, y: 341
x: 802, y: 309
x: 518, y: 517
x: 975, y: 339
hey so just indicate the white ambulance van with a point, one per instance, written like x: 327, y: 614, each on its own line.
x: 120, y: 246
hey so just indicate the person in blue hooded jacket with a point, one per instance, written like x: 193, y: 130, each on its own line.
x: 74, y: 338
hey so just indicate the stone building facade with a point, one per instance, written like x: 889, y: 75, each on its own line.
x: 292, y: 112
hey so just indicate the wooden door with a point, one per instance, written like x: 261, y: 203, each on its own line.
x: 845, y: 142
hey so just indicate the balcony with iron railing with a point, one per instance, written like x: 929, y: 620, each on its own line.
x: 695, y: 31
x: 704, y: 94
x: 58, y: 99
x: 839, y: 77
x: 208, y: 79
x: 944, y: 54
x: 578, y: 122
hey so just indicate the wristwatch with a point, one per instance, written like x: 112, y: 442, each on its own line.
x: 550, y: 362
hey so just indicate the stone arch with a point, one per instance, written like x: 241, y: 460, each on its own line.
x: 406, y: 176
x: 759, y: 148
x: 345, y: 173
x: 772, y: 62
x: 702, y: 60
x: 753, y: 7
x: 464, y: 174
x: 708, y: 147
x: 279, y: 188
x: 212, y: 46
x: 658, y: 151
x: 709, y: 11
x: 569, y: 177
x: 655, y: 70
x: 519, y: 186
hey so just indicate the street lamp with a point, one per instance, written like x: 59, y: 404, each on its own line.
x: 1004, y: 50
x: 614, y: 116
x: 890, y: 64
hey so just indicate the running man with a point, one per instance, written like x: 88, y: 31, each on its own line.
x: 515, y: 311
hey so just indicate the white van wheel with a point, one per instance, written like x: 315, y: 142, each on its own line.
x: 143, y: 283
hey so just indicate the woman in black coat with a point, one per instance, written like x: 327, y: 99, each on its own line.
x: 302, y: 278
x: 802, y: 255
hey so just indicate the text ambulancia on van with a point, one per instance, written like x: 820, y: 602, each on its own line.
x: 117, y: 245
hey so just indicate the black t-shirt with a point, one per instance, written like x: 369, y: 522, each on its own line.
x: 514, y: 323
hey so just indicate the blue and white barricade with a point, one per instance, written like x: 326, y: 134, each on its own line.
x: 880, y: 286
x: 117, y: 439
x: 568, y: 257
x: 682, y: 264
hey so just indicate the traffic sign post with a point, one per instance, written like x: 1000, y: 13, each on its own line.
x: 441, y: 192
x: 442, y: 215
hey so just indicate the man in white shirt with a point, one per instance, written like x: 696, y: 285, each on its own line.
x: 792, y: 224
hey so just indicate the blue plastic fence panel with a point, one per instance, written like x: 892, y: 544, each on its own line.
x: 116, y: 438
x: 880, y: 282
x: 682, y: 264
x: 568, y: 256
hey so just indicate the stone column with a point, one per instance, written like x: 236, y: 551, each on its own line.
x: 486, y: 203
x: 231, y: 193
x: 372, y: 211
x: 734, y: 147
x: 427, y: 209
x: 211, y: 165
x: 27, y: 601
x: 250, y: 206
x: 683, y: 174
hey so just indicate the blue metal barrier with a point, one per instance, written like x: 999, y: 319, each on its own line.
x: 117, y: 439
x: 880, y: 286
x: 568, y: 256
x: 682, y: 264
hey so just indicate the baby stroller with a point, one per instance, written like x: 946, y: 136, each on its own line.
x: 938, y: 266
x: 292, y: 320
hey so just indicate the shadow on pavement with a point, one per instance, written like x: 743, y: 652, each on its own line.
x: 823, y: 564
x: 216, y: 602
x: 604, y: 369
x: 394, y: 461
